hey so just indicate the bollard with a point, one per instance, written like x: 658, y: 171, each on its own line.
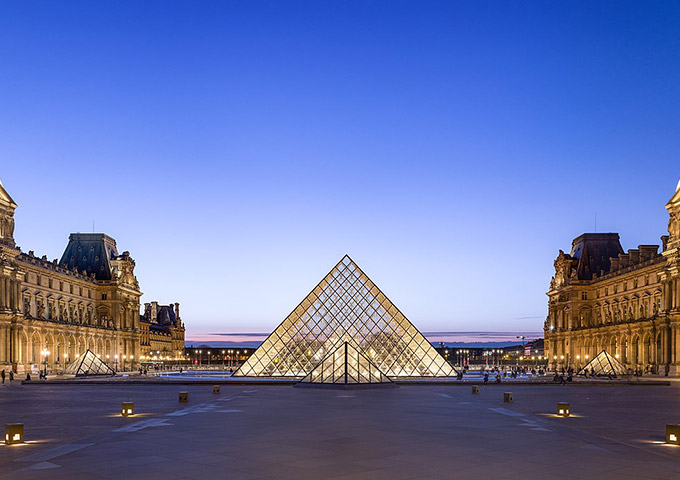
x: 14, y: 433
x: 673, y: 434
x: 475, y: 389
x: 216, y: 389
x: 183, y: 397
x: 507, y: 397
x: 563, y: 409
x: 128, y: 409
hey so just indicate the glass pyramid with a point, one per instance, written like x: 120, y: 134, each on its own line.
x: 605, y: 365
x: 88, y: 364
x: 345, y: 366
x: 346, y: 306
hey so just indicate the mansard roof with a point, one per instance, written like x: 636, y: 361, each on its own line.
x: 593, y: 252
x: 165, y: 316
x: 90, y: 252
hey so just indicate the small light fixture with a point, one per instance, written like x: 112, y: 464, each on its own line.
x: 216, y: 389
x: 475, y: 389
x: 14, y: 433
x: 562, y: 409
x: 183, y: 397
x: 128, y: 409
x: 507, y: 397
x: 673, y: 434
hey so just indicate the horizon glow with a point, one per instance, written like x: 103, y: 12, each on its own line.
x: 240, y: 149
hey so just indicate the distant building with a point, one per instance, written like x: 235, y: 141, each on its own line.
x: 161, y: 330
x: 628, y: 303
x: 87, y: 299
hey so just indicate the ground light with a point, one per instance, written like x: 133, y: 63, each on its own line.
x: 673, y: 434
x: 216, y: 389
x: 183, y: 397
x: 475, y: 389
x: 562, y: 409
x: 14, y: 433
x: 128, y: 409
x: 507, y: 397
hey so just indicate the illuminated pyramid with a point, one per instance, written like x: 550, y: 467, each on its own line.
x: 603, y: 364
x: 88, y: 364
x: 346, y: 306
x: 345, y: 366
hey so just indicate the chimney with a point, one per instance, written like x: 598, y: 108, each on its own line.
x: 179, y: 320
x: 147, y: 311
x: 154, y: 312
x: 648, y: 252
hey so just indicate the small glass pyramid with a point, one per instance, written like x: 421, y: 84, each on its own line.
x: 88, y: 364
x: 604, y: 365
x: 345, y: 366
x: 346, y: 307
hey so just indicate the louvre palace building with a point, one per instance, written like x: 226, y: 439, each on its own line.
x: 87, y: 300
x: 627, y: 303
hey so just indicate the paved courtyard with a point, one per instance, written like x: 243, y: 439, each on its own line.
x: 411, y: 432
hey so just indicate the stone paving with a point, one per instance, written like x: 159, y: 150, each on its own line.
x: 281, y: 432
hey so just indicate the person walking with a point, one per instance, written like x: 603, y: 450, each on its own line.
x: 2, y: 374
x: 11, y: 376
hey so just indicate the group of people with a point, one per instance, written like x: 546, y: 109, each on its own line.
x: 3, y: 375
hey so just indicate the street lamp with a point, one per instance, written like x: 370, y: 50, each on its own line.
x: 115, y: 365
x: 45, y: 353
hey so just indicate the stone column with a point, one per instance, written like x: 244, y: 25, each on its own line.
x: 3, y: 293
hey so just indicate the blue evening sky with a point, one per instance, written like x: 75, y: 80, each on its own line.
x: 239, y: 149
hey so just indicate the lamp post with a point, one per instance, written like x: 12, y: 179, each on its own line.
x: 222, y: 359
x: 115, y: 363
x: 208, y: 359
x: 45, y: 353
x: 200, y: 358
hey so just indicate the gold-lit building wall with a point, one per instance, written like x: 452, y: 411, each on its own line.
x: 90, y: 299
x: 627, y: 303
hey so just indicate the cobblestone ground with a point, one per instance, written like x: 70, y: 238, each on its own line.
x: 410, y: 432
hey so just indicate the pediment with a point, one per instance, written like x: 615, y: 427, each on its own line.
x: 5, y: 198
x: 674, y: 202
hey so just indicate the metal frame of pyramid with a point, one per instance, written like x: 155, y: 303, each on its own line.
x: 346, y: 306
x: 604, y: 365
x: 346, y: 366
x: 87, y: 364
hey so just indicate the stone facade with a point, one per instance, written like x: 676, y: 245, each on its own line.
x: 162, y: 332
x: 628, y: 303
x: 88, y: 299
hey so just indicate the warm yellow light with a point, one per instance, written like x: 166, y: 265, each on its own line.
x: 561, y: 357
x: 617, y: 355
x: 587, y: 357
x: 672, y: 437
x: 578, y: 357
x: 554, y: 357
